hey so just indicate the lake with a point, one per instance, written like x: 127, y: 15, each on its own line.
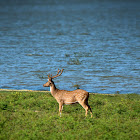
x: 96, y: 43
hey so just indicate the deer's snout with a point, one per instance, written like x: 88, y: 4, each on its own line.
x: 44, y: 85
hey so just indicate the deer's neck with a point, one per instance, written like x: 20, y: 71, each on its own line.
x: 53, y: 90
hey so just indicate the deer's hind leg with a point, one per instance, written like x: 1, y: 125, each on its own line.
x: 86, y: 102
x: 90, y: 110
x: 86, y: 106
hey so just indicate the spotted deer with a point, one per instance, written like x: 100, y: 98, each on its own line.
x: 68, y: 97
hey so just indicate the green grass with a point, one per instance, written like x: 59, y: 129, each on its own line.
x: 34, y: 116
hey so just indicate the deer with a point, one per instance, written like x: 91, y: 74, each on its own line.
x: 64, y: 97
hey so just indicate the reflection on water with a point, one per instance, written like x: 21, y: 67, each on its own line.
x: 97, y: 44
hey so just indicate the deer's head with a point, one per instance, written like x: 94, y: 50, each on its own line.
x: 50, y: 82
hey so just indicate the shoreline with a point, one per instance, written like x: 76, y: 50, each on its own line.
x: 24, y: 90
x: 27, y: 90
x: 49, y: 91
x: 41, y: 91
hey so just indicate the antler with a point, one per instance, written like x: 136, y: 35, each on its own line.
x: 58, y: 73
x: 49, y: 76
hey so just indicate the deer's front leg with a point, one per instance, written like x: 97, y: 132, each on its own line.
x: 60, y: 107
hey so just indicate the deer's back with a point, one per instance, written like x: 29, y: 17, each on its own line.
x: 69, y: 97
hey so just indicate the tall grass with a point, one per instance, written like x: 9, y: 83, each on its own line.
x: 34, y: 115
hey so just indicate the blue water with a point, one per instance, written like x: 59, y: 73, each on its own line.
x: 97, y: 44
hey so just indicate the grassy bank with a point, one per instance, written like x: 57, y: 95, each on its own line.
x: 34, y: 115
